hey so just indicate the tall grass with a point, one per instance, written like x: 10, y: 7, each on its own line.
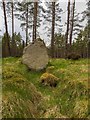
x: 22, y: 87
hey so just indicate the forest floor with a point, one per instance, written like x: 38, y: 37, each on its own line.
x: 24, y: 96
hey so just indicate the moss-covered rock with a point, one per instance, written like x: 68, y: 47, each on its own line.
x: 49, y: 79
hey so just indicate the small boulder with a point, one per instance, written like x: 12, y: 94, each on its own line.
x: 48, y: 79
x: 35, y: 55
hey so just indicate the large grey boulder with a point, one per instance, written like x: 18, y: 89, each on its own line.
x: 35, y: 55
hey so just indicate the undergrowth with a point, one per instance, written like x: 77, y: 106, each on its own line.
x: 21, y: 87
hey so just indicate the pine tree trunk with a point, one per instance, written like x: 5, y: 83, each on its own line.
x: 88, y: 12
x: 53, y: 29
x: 33, y: 33
x: 26, y: 24
x: 72, y: 23
x: 35, y: 21
x: 67, y: 32
x: 23, y: 44
x: 88, y: 16
x: 7, y: 46
x: 35, y: 18
x: 13, y: 40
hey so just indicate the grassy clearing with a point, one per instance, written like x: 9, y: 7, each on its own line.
x: 22, y: 87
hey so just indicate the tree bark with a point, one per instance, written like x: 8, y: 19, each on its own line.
x: 12, y: 24
x: 67, y: 32
x: 7, y: 46
x: 88, y: 16
x: 35, y: 21
x: 72, y: 23
x: 53, y: 29
x: 13, y: 40
x: 27, y: 24
x: 33, y: 33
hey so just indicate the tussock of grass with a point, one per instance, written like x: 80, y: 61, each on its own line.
x: 49, y: 79
x: 50, y: 69
x: 20, y: 97
x: 25, y: 97
x: 54, y: 112
x: 16, y: 107
x: 81, y: 109
x: 67, y: 95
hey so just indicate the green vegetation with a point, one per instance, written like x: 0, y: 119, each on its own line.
x: 24, y: 96
x: 49, y: 79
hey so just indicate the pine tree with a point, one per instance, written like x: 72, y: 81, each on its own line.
x: 75, y: 23
x: 25, y: 12
x: 13, y: 41
x: 30, y: 15
x: 53, y: 29
x: 11, y: 10
x: 26, y: 24
x: 38, y: 12
x: 88, y: 16
x: 72, y: 22
x: 4, y: 45
x: 68, y: 22
x: 52, y: 21
x: 7, y: 43
x: 86, y: 13
x: 35, y: 20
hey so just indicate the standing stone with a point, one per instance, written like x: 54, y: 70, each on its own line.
x: 35, y: 55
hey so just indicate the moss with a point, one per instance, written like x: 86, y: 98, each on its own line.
x: 49, y: 79
x: 9, y: 71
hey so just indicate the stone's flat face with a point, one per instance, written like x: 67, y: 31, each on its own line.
x: 35, y: 56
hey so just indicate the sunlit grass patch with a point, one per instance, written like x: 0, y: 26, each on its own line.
x: 81, y: 109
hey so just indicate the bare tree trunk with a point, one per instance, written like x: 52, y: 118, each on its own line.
x: 23, y: 44
x: 53, y: 29
x: 35, y: 17
x: 35, y: 21
x: 12, y: 25
x: 8, y: 53
x: 33, y: 33
x: 88, y: 16
x: 72, y: 23
x: 67, y: 32
x: 13, y: 40
x: 26, y: 24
